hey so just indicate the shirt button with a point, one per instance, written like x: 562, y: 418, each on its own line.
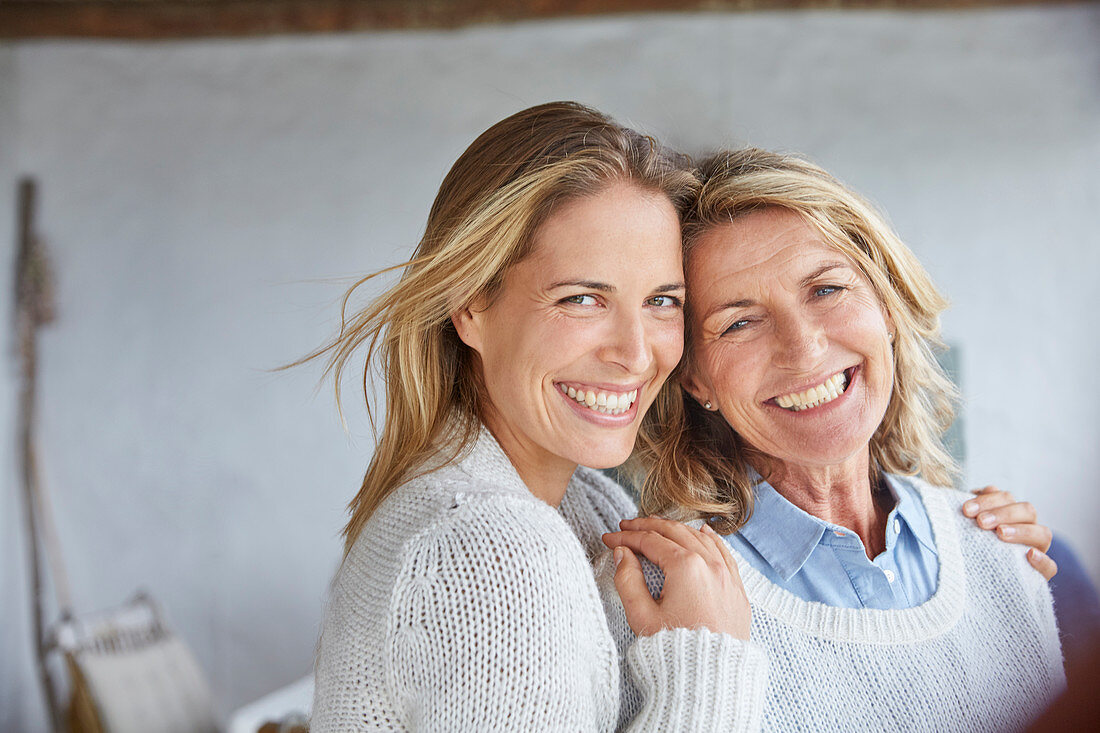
x: 889, y: 575
x: 897, y: 526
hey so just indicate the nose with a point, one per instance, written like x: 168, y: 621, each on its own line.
x: 801, y: 343
x: 627, y: 343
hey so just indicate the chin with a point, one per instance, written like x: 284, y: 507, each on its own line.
x: 605, y: 455
x: 833, y: 456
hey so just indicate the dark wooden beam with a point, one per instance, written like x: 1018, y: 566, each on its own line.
x: 164, y: 19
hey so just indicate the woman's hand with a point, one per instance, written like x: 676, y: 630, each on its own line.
x: 1013, y: 521
x: 702, y: 586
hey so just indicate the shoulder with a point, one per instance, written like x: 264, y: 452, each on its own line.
x: 981, y: 549
x: 484, y: 520
x: 492, y: 565
x: 939, y: 502
x: 608, y: 498
x: 493, y: 585
x: 593, y: 505
x: 485, y: 542
x: 444, y: 519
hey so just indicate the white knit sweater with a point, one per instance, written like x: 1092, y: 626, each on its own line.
x: 466, y: 603
x: 981, y: 655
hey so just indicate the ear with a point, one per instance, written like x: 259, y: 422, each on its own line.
x: 692, y: 385
x: 890, y: 327
x: 469, y: 322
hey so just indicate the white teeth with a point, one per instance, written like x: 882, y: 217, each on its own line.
x: 827, y: 391
x: 607, y: 403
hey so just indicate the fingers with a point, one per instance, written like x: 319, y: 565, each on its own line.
x: 1042, y: 562
x: 705, y: 542
x: 1036, y: 536
x: 682, y: 534
x: 630, y: 583
x: 702, y: 588
x: 987, y: 499
x: 1015, y: 522
x: 659, y: 549
x: 1021, y: 512
x: 666, y: 543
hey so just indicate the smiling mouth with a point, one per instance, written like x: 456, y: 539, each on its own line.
x: 607, y: 403
x: 827, y: 391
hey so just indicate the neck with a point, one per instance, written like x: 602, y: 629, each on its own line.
x: 841, y: 494
x: 544, y: 474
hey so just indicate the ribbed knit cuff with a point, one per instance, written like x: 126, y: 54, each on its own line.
x: 697, y: 680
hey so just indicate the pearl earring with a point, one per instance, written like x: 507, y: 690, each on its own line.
x: 706, y: 405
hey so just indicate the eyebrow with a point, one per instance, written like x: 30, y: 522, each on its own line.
x: 606, y: 288
x: 825, y: 267
x: 746, y: 302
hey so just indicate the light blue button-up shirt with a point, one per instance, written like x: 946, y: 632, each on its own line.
x: 819, y: 561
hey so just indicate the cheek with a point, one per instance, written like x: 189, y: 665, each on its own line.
x: 512, y: 352
x: 667, y: 343
x: 733, y: 369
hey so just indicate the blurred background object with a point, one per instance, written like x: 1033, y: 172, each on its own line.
x: 206, y: 190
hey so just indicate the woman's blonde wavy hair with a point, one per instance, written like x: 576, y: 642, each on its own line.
x: 699, y: 467
x: 482, y: 222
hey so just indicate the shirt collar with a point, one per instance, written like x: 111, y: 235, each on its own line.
x: 784, y: 535
x: 910, y: 509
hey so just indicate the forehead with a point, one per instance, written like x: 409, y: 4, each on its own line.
x: 766, y: 245
x: 621, y: 226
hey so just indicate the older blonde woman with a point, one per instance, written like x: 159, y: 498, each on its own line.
x: 813, y: 402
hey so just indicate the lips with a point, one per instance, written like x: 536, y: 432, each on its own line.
x: 607, y: 402
x: 827, y: 391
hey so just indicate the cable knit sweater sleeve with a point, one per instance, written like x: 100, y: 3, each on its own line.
x: 487, y: 630
x: 684, y: 679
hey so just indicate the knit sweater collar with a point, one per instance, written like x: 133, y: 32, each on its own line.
x: 927, y: 620
x: 484, y: 457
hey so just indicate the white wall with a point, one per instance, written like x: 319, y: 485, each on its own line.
x: 193, y: 193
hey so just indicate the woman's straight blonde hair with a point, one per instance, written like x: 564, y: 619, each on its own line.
x: 700, y: 467
x: 482, y: 222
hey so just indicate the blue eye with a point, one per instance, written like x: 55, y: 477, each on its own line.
x: 826, y: 290
x: 737, y: 325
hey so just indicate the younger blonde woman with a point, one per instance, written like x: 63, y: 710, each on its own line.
x: 536, y: 324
